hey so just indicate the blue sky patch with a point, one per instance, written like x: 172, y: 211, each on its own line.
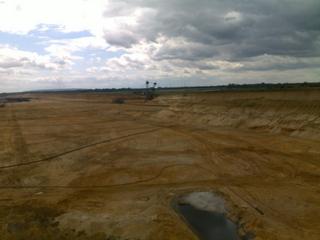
x: 22, y: 42
x: 34, y: 40
x: 52, y: 31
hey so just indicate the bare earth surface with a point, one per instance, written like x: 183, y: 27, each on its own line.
x: 76, y: 166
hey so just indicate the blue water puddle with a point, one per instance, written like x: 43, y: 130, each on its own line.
x: 205, y: 214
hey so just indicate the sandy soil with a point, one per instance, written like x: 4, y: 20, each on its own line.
x: 76, y: 166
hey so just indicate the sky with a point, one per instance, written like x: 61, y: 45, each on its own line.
x: 59, y: 44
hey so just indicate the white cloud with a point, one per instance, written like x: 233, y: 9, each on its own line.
x: 17, y: 59
x: 233, y: 17
x: 67, y: 47
x: 20, y: 16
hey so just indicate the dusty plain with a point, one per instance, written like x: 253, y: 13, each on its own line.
x: 77, y: 166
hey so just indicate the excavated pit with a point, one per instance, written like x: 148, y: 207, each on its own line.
x: 113, y: 169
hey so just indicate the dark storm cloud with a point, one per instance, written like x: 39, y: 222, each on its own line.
x: 229, y: 29
x: 280, y: 63
x: 121, y: 38
x: 186, y: 51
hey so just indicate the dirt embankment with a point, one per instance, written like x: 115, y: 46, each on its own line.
x: 296, y: 113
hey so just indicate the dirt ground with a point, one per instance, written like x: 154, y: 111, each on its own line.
x: 77, y: 166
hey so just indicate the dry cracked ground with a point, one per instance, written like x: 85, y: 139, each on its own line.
x: 77, y: 166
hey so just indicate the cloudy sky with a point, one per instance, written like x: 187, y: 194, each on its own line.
x: 122, y: 43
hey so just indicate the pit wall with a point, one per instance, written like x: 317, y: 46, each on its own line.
x: 295, y: 113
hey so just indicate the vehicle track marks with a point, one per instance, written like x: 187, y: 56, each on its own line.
x: 78, y: 149
x: 18, y: 143
x: 159, y: 174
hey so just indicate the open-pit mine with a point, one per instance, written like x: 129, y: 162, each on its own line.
x: 85, y: 165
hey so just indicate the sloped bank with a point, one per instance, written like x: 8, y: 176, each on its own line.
x: 294, y: 113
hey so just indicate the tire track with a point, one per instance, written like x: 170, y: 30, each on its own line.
x: 18, y: 143
x: 206, y: 154
x: 160, y: 173
x: 50, y: 158
x: 207, y: 146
